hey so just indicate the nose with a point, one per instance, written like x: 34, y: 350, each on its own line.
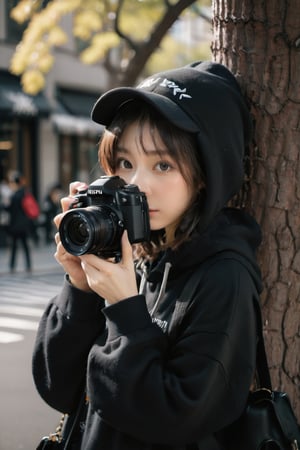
x: 143, y: 180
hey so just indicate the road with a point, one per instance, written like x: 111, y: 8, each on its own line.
x: 25, y: 418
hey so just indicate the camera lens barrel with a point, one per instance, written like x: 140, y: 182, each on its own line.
x: 95, y: 229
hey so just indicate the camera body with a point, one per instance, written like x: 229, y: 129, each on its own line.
x: 99, y: 215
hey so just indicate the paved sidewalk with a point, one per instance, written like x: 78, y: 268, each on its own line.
x: 42, y: 257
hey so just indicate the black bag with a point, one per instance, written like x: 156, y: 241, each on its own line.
x: 54, y: 440
x: 48, y: 444
x: 68, y: 433
x: 268, y: 421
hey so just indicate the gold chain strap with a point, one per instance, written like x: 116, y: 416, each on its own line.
x: 57, y: 436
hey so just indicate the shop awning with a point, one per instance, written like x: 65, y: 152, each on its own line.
x: 73, y: 113
x: 75, y: 102
x: 14, y: 102
x: 78, y: 126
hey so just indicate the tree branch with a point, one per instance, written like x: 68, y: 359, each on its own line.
x: 118, y: 31
x: 145, y: 49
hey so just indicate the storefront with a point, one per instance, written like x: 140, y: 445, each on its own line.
x: 20, y: 115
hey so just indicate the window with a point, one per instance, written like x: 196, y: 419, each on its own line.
x: 78, y: 160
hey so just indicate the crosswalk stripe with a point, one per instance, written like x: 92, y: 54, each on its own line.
x: 7, y: 338
x: 21, y: 310
x: 19, y: 324
x: 22, y: 303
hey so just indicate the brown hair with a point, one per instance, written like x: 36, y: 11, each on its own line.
x: 182, y: 147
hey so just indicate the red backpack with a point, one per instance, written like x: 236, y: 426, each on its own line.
x: 30, y: 206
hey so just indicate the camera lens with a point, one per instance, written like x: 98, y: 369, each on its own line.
x: 78, y: 231
x: 93, y: 229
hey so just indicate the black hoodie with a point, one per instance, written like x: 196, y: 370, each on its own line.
x: 158, y: 376
x: 153, y: 386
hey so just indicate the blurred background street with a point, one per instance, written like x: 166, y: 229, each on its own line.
x: 25, y: 417
x: 42, y: 259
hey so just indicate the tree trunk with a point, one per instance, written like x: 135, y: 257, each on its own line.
x: 260, y: 42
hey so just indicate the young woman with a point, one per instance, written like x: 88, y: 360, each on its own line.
x: 162, y: 371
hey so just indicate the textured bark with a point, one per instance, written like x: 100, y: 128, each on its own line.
x: 260, y: 42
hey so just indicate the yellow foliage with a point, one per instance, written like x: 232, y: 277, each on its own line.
x: 85, y: 23
x: 82, y: 32
x: 32, y: 55
x: 88, y: 19
x: 100, y: 44
x: 18, y: 63
x: 92, y: 54
x: 33, y: 81
x: 138, y: 22
x: 106, y: 39
x: 172, y: 53
x: 93, y: 22
x: 42, y: 48
x: 96, y: 5
x: 62, y: 7
x: 45, y: 63
x: 24, y: 10
x: 56, y: 36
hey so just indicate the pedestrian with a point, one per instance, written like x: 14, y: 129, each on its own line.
x: 51, y: 207
x: 160, y: 373
x: 5, y: 194
x: 20, y: 225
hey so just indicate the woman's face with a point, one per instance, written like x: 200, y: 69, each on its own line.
x: 150, y: 166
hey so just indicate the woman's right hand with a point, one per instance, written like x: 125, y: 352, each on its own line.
x: 70, y: 263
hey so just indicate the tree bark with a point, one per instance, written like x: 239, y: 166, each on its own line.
x: 260, y: 42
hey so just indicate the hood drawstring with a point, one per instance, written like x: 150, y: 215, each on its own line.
x: 162, y: 287
x: 144, y: 278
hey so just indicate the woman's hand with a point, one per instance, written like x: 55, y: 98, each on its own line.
x: 112, y: 281
x: 70, y: 263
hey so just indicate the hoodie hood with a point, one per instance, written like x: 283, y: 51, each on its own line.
x: 203, y: 98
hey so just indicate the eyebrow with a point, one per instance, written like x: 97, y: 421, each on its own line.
x: 154, y: 151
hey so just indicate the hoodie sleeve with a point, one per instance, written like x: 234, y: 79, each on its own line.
x: 67, y: 330
x: 177, y: 391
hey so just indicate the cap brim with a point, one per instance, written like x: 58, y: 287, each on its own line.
x: 107, y: 105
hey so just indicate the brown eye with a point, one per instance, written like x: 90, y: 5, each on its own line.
x: 124, y: 164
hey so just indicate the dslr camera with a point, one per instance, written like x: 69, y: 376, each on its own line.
x: 99, y: 216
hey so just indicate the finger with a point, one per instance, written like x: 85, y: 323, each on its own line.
x: 126, y: 249
x: 76, y: 186
x: 66, y: 203
x: 57, y: 238
x: 92, y: 261
x: 60, y: 254
x: 57, y: 219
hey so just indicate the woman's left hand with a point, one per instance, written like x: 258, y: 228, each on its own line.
x: 112, y: 281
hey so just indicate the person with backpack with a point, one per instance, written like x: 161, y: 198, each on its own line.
x: 161, y: 340
x: 20, y: 224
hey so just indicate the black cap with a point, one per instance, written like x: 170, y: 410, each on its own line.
x: 177, y: 94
